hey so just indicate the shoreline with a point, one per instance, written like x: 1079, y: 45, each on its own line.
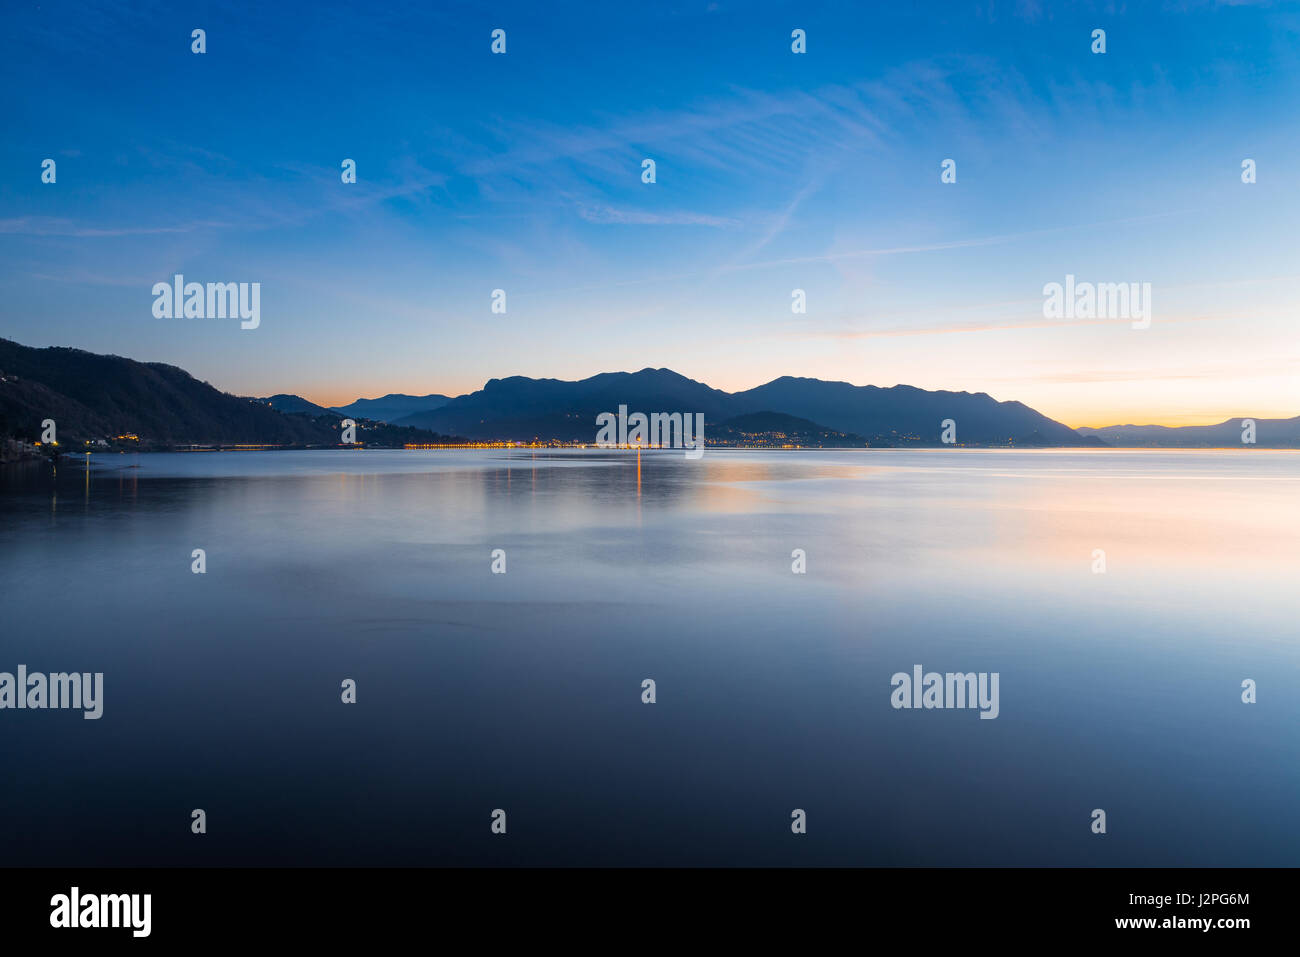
x: 28, y: 457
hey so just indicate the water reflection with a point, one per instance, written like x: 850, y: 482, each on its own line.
x: 522, y: 690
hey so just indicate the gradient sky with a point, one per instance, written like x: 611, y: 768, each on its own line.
x: 775, y: 171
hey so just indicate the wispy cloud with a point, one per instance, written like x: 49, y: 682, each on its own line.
x: 51, y: 226
x: 751, y: 132
x: 990, y: 326
x: 607, y: 214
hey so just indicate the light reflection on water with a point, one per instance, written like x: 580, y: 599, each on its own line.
x: 522, y: 690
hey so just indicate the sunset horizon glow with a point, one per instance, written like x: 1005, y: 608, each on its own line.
x: 776, y: 174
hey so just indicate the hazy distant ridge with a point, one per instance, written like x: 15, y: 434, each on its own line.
x: 1269, y: 433
x: 393, y: 406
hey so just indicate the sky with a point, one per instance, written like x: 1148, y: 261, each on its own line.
x: 775, y: 171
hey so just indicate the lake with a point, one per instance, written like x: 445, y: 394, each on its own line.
x: 1119, y: 690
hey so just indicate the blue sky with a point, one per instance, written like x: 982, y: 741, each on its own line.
x: 775, y: 171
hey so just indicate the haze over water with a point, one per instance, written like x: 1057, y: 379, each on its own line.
x: 522, y: 691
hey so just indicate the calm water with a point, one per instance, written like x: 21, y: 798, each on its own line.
x: 522, y: 691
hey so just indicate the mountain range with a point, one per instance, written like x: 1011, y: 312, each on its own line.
x: 901, y: 415
x: 519, y: 407
x: 392, y: 407
x: 96, y: 396
x: 153, y: 405
x: 1269, y: 433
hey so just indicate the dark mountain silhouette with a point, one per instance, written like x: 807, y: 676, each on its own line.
x: 1269, y: 433
x: 523, y: 408
x: 906, y: 415
x: 393, y: 406
x: 520, y: 407
x: 295, y: 403
x: 92, y: 397
x: 777, y: 429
